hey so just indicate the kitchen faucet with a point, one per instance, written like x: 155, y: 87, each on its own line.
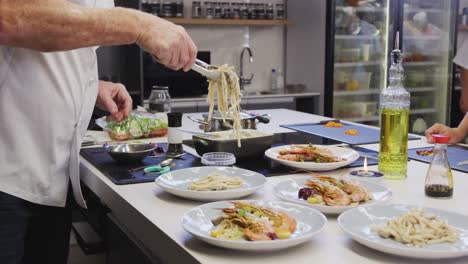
x: 245, y: 81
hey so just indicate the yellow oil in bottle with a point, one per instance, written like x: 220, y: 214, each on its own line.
x: 393, y: 156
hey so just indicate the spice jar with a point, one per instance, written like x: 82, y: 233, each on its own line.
x: 154, y: 7
x: 280, y: 11
x: 244, y: 11
x: 145, y: 6
x: 270, y: 12
x: 217, y: 10
x: 179, y: 9
x: 235, y: 14
x: 167, y: 9
x: 160, y: 100
x: 439, y: 179
x: 209, y: 11
x: 196, y: 9
x: 226, y: 10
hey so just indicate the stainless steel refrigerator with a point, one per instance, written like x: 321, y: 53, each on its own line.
x: 359, y: 38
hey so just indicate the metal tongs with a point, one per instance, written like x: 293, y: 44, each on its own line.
x: 206, y: 70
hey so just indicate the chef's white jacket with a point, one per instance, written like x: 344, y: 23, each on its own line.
x: 46, y: 102
x: 461, y: 59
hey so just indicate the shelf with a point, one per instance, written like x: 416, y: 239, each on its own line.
x: 361, y: 8
x: 363, y: 92
x: 423, y: 111
x: 357, y: 37
x: 420, y: 63
x: 229, y: 22
x: 458, y: 88
x: 421, y: 89
x: 356, y: 64
x: 426, y: 10
x: 419, y: 38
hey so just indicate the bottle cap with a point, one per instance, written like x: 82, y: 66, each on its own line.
x: 441, y: 138
x: 174, y: 119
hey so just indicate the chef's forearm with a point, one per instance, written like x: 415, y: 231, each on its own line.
x: 57, y: 25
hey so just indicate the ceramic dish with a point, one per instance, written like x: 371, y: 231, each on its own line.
x: 310, y: 222
x: 288, y: 190
x: 358, y: 223
x: 177, y: 182
x: 348, y: 154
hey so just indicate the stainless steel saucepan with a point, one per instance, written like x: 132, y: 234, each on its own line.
x: 248, y: 121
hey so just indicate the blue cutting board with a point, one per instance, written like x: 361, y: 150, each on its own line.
x: 455, y: 154
x: 366, y: 135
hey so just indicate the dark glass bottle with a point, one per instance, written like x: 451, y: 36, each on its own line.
x: 439, y: 179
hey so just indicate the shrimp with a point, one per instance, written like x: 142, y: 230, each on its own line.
x: 332, y: 195
x: 280, y: 221
x: 355, y: 191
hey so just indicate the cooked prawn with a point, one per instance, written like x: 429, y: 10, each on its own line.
x: 332, y: 195
x: 355, y: 191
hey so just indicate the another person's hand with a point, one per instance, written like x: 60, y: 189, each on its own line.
x: 114, y: 98
x: 168, y: 43
x: 455, y: 133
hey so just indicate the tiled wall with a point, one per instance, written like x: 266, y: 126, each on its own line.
x: 226, y: 43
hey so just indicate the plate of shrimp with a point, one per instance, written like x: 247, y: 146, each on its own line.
x: 331, y: 195
x: 253, y: 225
x: 312, y: 157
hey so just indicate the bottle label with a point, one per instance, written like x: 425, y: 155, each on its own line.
x: 174, y: 135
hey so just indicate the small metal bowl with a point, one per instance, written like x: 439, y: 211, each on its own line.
x: 129, y: 152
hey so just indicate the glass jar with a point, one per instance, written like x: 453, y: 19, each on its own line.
x: 235, y: 14
x: 209, y: 11
x: 244, y: 11
x: 439, y: 179
x: 260, y: 10
x: 280, y: 14
x: 160, y: 100
x: 251, y: 11
x: 196, y: 9
x: 179, y: 9
x: 154, y: 7
x: 217, y: 10
x: 226, y: 10
x: 270, y: 12
x: 167, y: 9
x: 145, y: 6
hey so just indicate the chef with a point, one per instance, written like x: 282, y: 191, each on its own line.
x: 48, y: 87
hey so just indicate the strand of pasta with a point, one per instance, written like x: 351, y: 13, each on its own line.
x: 228, y: 92
x: 417, y: 228
x: 215, y: 181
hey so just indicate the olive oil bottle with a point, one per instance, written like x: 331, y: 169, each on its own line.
x: 394, y: 121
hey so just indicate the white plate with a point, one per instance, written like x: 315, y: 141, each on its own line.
x: 345, y: 153
x: 310, y: 222
x: 288, y: 190
x: 358, y: 222
x: 176, y: 182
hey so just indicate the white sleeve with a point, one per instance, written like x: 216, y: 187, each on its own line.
x: 461, y: 59
x: 104, y: 3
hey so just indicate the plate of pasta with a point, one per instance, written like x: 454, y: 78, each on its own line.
x: 312, y: 157
x: 253, y: 225
x: 408, y: 231
x: 331, y: 195
x: 212, y: 183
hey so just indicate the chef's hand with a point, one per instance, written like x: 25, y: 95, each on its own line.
x: 455, y: 133
x: 168, y: 43
x: 114, y: 98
